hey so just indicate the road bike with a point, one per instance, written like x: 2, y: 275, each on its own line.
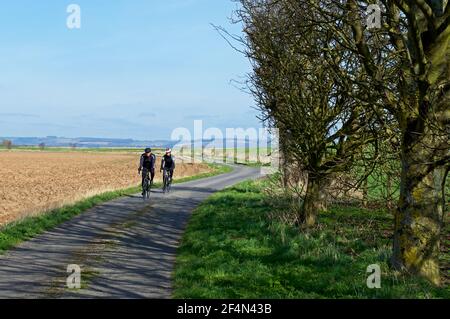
x: 147, y: 186
x: 167, y: 181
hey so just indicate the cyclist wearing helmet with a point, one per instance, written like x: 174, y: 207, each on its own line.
x: 168, y: 162
x: 147, y: 165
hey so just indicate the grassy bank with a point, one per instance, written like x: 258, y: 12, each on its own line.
x: 232, y: 249
x: 13, y: 234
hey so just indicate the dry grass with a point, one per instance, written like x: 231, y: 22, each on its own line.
x: 32, y: 182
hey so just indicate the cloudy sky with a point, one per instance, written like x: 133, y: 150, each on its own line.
x: 136, y: 69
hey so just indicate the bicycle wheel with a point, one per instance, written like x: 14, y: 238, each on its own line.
x: 144, y: 189
x: 149, y: 187
x: 169, y: 183
x: 165, y: 181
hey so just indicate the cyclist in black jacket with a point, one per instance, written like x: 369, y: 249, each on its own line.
x: 168, y: 162
x: 147, y: 165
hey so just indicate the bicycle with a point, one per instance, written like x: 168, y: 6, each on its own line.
x: 167, y: 181
x: 147, y: 186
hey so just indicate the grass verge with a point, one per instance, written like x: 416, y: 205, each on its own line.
x: 232, y: 249
x: 14, y: 233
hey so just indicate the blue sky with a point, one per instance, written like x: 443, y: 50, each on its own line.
x: 136, y: 69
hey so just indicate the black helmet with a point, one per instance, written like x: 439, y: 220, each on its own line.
x: 148, y: 150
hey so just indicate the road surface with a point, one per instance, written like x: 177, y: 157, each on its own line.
x: 125, y: 248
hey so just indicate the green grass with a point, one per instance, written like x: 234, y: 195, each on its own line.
x: 232, y: 249
x: 255, y: 164
x: 217, y: 169
x: 14, y: 233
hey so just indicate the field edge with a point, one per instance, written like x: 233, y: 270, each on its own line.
x: 16, y: 232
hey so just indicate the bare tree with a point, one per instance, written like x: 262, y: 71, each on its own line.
x: 414, y: 41
x: 7, y: 144
x: 405, y: 76
x: 321, y: 126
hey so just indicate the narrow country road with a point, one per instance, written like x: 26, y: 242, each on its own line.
x: 126, y: 248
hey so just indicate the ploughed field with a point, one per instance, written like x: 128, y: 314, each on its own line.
x: 32, y: 182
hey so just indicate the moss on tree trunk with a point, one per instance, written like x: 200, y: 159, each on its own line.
x: 315, y: 200
x: 419, y: 216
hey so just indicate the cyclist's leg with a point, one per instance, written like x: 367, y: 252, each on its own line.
x: 152, y: 175
x: 171, y: 175
x: 144, y: 175
x: 166, y: 177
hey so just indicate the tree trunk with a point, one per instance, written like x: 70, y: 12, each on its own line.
x: 315, y: 200
x: 285, y: 169
x: 366, y: 192
x: 418, y: 219
x: 389, y: 195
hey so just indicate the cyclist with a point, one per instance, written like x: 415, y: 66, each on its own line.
x: 168, y: 163
x: 147, y: 165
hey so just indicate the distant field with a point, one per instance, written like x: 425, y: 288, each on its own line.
x: 239, y: 155
x: 33, y: 182
x: 78, y: 149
